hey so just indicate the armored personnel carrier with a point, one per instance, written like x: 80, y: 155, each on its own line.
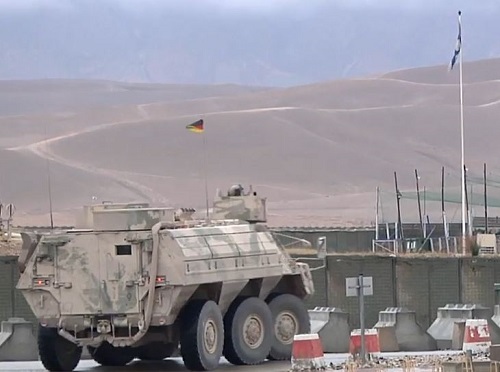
x: 133, y: 281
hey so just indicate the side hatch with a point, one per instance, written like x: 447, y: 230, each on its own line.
x: 98, y: 274
x: 78, y: 275
x: 120, y: 274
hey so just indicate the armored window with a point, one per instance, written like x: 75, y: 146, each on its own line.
x: 123, y: 250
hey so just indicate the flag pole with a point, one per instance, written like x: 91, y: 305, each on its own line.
x: 198, y: 127
x: 205, y: 172
x: 462, y: 129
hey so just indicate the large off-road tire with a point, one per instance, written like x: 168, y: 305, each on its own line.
x: 156, y: 351
x: 202, y: 335
x: 248, y: 331
x: 290, y: 317
x: 109, y: 356
x: 57, y: 353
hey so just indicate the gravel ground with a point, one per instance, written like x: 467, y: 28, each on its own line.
x: 415, y: 360
x: 390, y: 362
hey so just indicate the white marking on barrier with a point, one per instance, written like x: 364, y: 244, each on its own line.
x: 476, y: 336
x: 308, y: 336
x: 307, y: 352
x: 368, y: 332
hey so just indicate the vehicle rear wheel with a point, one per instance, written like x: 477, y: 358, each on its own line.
x: 290, y: 317
x: 202, y: 335
x: 248, y: 331
x: 109, y: 356
x: 57, y: 353
x: 156, y: 351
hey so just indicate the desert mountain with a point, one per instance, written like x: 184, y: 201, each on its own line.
x: 316, y: 151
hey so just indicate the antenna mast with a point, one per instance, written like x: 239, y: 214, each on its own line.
x: 49, y: 181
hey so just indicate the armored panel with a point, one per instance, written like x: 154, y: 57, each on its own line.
x: 223, y: 241
x: 85, y: 220
x: 248, y: 208
x: 131, y: 219
x: 194, y: 247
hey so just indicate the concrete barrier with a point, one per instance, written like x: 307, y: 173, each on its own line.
x: 495, y: 353
x: 307, y: 353
x: 457, y: 337
x: 494, y: 324
x: 399, y: 331
x: 332, y: 326
x: 372, y: 342
x: 17, y: 341
x: 477, y: 337
x: 442, y: 328
x: 387, y: 339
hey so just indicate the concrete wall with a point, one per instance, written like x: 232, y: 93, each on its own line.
x: 12, y: 303
x: 478, y: 277
x: 6, y: 293
x: 420, y: 283
x: 340, y: 267
x: 424, y: 284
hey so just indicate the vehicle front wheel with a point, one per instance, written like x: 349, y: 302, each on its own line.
x: 57, y: 353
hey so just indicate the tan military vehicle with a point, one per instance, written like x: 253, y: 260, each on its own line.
x: 134, y: 281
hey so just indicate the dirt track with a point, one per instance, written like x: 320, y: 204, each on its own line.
x: 317, y: 152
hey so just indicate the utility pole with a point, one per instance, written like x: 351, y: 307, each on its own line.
x: 398, y: 197
x: 485, y: 203
x: 419, y: 206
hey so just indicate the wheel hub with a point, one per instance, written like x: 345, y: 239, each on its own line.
x: 210, y: 339
x: 286, y: 327
x: 253, y: 331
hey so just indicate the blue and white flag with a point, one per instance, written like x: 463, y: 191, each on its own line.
x: 459, y: 42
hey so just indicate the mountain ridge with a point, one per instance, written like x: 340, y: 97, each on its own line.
x: 316, y: 151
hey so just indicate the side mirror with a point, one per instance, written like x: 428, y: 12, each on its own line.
x: 321, y: 247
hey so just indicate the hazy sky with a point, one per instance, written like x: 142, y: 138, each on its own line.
x: 260, y: 5
x: 258, y: 42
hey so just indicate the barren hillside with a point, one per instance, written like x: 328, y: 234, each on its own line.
x: 317, y: 151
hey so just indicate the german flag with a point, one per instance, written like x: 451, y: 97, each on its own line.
x: 196, y: 127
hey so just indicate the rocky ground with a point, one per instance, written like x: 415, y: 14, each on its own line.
x: 407, y: 363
